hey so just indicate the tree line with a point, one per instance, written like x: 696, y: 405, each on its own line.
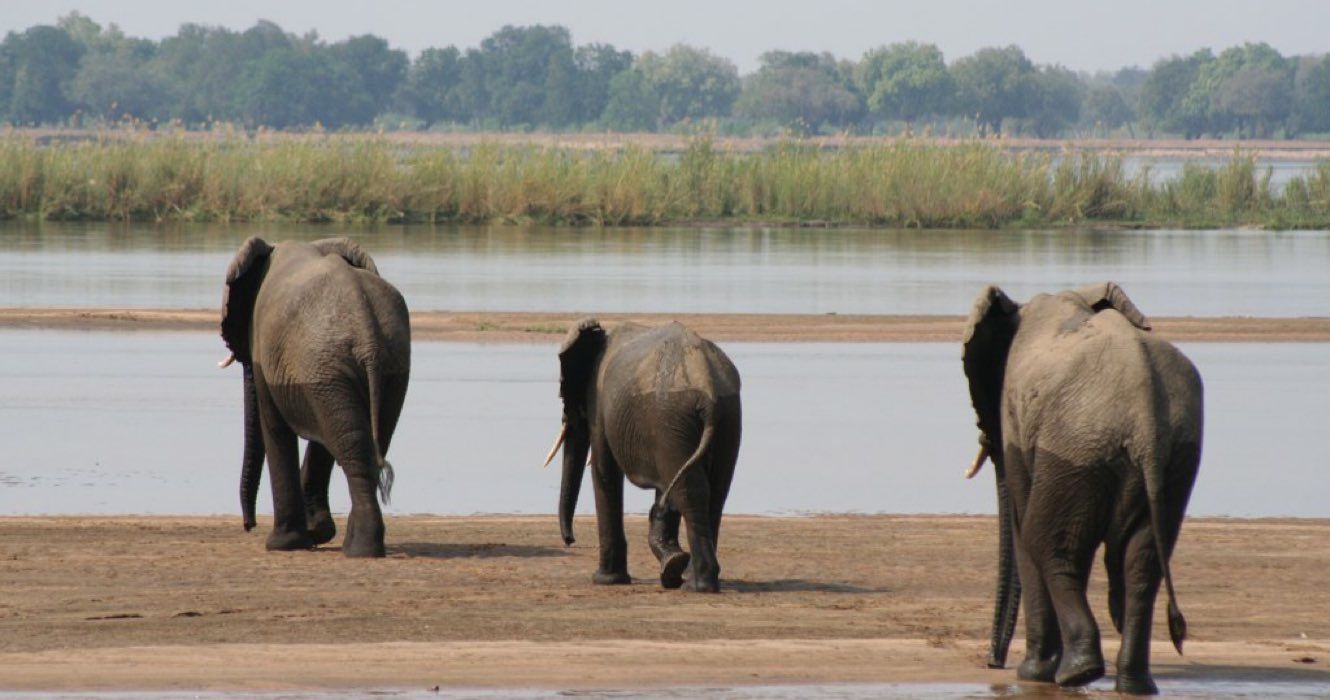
x: 535, y: 77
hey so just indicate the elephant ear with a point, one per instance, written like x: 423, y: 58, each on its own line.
x: 349, y: 251
x: 243, y: 278
x: 577, y: 360
x: 988, y: 334
x: 1109, y: 295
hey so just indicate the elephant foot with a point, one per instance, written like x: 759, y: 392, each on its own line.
x: 1080, y: 669
x: 671, y: 569
x: 1039, y: 670
x: 1136, y: 685
x: 363, y: 542
x: 322, y: 529
x: 288, y: 541
x: 611, y: 578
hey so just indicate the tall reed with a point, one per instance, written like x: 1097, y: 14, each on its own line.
x: 905, y: 183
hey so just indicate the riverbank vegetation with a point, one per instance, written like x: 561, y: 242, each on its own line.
x: 897, y: 183
x: 522, y: 78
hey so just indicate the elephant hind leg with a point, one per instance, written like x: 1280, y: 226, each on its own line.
x: 1062, y: 531
x: 353, y: 447
x: 694, y: 499
x: 1143, y: 575
x: 664, y: 542
x: 315, y: 474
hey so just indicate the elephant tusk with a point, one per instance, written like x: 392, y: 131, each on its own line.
x: 978, y: 462
x: 558, y: 442
x: 227, y: 362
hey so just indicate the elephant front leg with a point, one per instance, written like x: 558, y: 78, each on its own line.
x: 609, y: 522
x: 664, y: 542
x: 314, y: 477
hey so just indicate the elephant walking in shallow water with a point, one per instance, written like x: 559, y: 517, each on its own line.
x: 661, y: 407
x: 1094, y: 427
x: 325, y: 345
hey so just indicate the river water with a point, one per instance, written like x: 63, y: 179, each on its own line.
x: 1195, y: 273
x: 144, y: 422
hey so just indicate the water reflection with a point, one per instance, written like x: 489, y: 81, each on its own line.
x: 145, y: 423
x: 1198, y: 273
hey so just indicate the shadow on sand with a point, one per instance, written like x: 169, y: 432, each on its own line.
x: 487, y: 550
x: 793, y: 585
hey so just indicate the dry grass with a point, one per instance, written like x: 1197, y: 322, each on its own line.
x: 897, y: 183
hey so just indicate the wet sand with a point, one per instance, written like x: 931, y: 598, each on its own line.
x: 175, y: 603
x: 519, y: 327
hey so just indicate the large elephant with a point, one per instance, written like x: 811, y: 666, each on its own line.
x: 661, y: 406
x: 325, y: 344
x: 1094, y: 427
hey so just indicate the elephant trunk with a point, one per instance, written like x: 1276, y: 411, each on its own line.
x: 251, y: 467
x: 575, y: 450
x: 1007, y: 602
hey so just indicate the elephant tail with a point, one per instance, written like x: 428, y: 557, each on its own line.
x: 385, y: 467
x: 1154, y: 488
x: 703, y: 445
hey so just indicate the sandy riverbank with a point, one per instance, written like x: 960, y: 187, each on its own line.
x: 518, y: 327
x: 195, y: 603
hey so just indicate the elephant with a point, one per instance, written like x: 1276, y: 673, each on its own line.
x: 1093, y: 424
x: 325, y: 345
x: 659, y: 405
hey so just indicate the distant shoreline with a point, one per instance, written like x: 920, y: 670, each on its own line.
x: 549, y: 327
x: 1269, y: 149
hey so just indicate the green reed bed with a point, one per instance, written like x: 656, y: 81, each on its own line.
x: 898, y: 183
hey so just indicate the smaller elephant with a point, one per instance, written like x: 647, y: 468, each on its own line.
x: 660, y: 406
x: 325, y: 345
x: 1093, y: 424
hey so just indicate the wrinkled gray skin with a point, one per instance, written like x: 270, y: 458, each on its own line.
x: 1095, y: 429
x: 660, y: 406
x: 325, y: 346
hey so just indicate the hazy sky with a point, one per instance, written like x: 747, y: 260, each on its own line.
x: 1079, y: 34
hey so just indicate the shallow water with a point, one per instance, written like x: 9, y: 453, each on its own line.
x: 117, y: 423
x: 1196, y: 273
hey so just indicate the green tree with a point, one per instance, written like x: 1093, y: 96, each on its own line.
x: 298, y: 86
x: 1106, y: 106
x: 802, y: 91
x: 994, y: 84
x: 1257, y: 99
x: 1254, y: 67
x: 376, y: 71
x: 38, y: 67
x: 518, y: 64
x: 597, y: 66
x: 205, y: 67
x: 632, y: 104
x: 906, y: 81
x: 1313, y: 96
x: 690, y: 83
x: 1164, y: 95
x: 1056, y: 98
x: 429, y: 92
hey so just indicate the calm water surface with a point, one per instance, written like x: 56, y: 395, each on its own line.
x: 1196, y: 273
x: 96, y: 422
